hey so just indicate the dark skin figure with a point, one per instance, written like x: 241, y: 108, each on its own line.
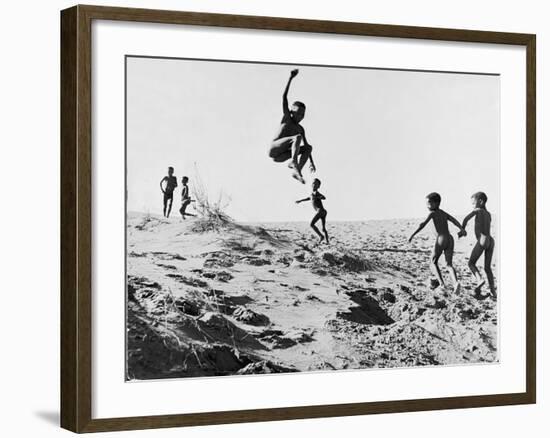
x: 185, y: 198
x: 444, y: 242
x: 290, y: 141
x: 485, y: 244
x: 171, y: 183
x: 316, y: 199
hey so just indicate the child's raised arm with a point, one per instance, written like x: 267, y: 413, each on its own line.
x: 286, y: 111
x: 302, y: 200
x: 421, y: 226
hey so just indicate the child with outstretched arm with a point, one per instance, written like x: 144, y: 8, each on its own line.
x: 290, y: 140
x: 444, y: 242
x: 171, y: 183
x: 485, y: 242
x: 316, y: 199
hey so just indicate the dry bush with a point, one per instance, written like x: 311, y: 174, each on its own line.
x: 211, y: 215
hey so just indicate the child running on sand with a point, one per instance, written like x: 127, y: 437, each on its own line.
x: 290, y: 141
x: 444, y: 242
x: 168, y: 191
x: 316, y: 199
x: 485, y: 242
x: 185, y: 198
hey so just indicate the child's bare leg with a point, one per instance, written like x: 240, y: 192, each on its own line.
x: 305, y: 153
x: 288, y: 147
x: 487, y: 266
x: 169, y: 207
x: 449, y: 261
x: 474, y: 257
x: 164, y: 202
x: 323, y: 222
x: 433, y: 263
x: 283, y: 148
x: 296, y: 144
x: 312, y: 224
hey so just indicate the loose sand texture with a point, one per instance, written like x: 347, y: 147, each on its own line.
x: 267, y: 298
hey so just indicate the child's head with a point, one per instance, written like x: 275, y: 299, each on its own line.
x: 479, y: 199
x: 184, y: 180
x: 433, y: 200
x: 170, y: 171
x: 298, y: 111
x: 316, y: 183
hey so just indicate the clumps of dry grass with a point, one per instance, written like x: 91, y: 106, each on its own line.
x: 347, y: 260
x: 211, y: 215
x: 147, y: 222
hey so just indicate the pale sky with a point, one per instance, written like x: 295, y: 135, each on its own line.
x: 382, y: 139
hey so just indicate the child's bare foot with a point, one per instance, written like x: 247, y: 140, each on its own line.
x: 480, y: 284
x: 296, y: 175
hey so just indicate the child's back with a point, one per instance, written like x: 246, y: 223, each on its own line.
x: 444, y: 242
x: 441, y: 222
x: 482, y: 226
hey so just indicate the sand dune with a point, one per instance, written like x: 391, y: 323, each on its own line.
x: 253, y: 298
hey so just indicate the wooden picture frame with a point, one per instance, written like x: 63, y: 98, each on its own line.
x: 76, y: 218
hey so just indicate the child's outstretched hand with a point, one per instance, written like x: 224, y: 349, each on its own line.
x: 410, y: 239
x: 294, y: 73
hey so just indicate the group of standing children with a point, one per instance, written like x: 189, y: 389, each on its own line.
x: 167, y: 185
x: 444, y: 242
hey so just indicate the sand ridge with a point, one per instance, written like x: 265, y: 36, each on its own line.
x: 264, y: 298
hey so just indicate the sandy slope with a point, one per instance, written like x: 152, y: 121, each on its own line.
x: 257, y: 299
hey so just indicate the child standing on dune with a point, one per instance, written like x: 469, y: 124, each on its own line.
x: 444, y: 242
x: 485, y: 242
x: 290, y: 141
x: 316, y: 199
x: 171, y: 183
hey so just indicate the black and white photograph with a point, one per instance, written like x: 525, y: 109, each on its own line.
x: 309, y: 218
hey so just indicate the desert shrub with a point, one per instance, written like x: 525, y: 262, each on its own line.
x: 211, y: 214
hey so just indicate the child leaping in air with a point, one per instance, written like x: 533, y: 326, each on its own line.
x: 444, y: 242
x: 485, y: 242
x: 316, y: 199
x: 290, y: 141
x: 168, y: 191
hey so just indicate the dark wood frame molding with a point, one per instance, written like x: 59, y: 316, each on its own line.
x: 76, y: 218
